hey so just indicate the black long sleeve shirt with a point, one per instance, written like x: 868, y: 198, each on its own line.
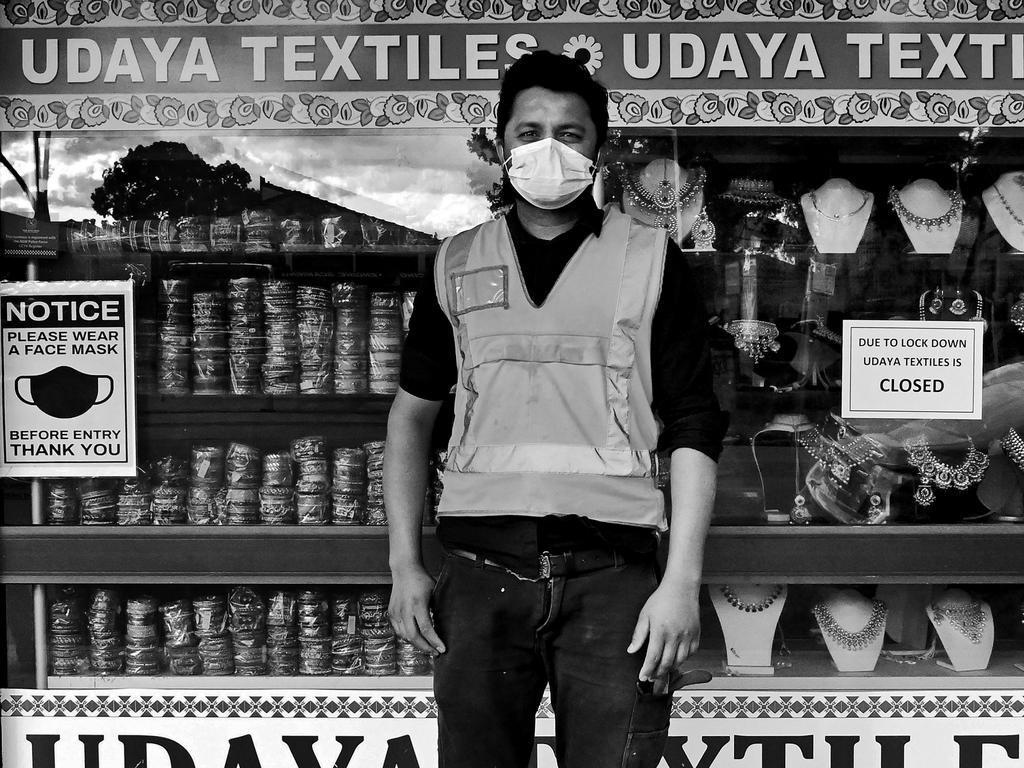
x: 683, y: 397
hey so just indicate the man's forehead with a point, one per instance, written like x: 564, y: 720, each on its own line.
x: 539, y: 104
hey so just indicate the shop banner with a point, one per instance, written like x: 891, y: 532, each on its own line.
x: 67, y: 363
x: 905, y: 369
x: 252, y: 64
x: 398, y: 729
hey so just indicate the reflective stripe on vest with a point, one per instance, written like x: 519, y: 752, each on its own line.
x: 558, y: 391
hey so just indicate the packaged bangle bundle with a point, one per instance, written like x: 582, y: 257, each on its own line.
x: 67, y: 643
x: 385, y: 342
x: 314, y: 633
x: 61, y: 502
x: 142, y: 646
x: 297, y: 234
x: 410, y: 660
x: 225, y: 233
x: 341, y: 230
x: 206, y: 478
x: 106, y: 645
x: 245, y: 335
x: 351, y: 336
x: 281, y: 366
x: 180, y: 642
x: 174, y: 354
x: 135, y: 503
x: 215, y: 647
x: 243, y: 465
x: 97, y: 501
x: 376, y: 514
x: 247, y: 624
x: 408, y: 303
x: 316, y: 331
x: 261, y: 230
x: 209, y: 343
x: 379, y: 652
x: 348, y: 486
x: 282, y: 633
x: 194, y: 234
x: 277, y: 493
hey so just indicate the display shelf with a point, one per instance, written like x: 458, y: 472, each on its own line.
x: 154, y: 407
x: 801, y: 670
x: 353, y: 555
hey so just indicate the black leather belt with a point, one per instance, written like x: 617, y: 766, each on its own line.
x: 551, y: 564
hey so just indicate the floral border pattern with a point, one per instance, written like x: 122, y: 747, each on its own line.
x: 420, y: 705
x: 120, y: 12
x: 388, y: 110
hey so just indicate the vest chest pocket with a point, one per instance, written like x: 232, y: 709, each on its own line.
x: 476, y: 289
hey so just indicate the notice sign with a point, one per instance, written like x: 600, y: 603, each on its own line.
x: 912, y: 370
x: 68, y: 379
x: 27, y: 238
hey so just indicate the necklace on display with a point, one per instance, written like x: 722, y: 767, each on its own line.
x: 1006, y: 204
x: 666, y: 201
x: 968, y: 620
x: 840, y: 216
x: 931, y: 470
x: 847, y: 640
x: 956, y: 205
x: 764, y: 604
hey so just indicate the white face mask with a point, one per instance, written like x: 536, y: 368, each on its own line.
x: 548, y: 173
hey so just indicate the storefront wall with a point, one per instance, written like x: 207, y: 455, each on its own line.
x: 364, y: 129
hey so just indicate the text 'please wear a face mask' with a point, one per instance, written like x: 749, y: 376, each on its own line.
x: 549, y: 174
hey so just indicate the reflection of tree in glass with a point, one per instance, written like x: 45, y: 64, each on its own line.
x: 166, y: 179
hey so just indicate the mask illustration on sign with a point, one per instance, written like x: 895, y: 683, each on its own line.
x: 549, y: 174
x: 63, y: 393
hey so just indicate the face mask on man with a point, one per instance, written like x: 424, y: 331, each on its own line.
x: 548, y: 173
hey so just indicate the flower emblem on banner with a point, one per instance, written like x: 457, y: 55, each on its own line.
x: 586, y: 50
x: 19, y: 11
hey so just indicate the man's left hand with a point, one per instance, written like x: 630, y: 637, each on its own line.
x: 670, y: 623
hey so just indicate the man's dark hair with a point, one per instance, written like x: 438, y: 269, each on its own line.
x: 556, y: 73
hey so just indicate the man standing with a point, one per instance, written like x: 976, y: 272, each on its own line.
x: 576, y: 344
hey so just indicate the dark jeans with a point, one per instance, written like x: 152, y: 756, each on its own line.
x: 507, y: 638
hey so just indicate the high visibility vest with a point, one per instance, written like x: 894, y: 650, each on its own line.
x: 553, y: 402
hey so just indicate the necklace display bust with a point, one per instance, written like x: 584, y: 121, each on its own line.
x: 837, y: 213
x: 748, y: 614
x: 1004, y: 202
x: 664, y: 195
x: 965, y: 629
x: 930, y: 215
x: 853, y: 627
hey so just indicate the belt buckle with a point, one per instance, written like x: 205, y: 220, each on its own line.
x: 544, y: 565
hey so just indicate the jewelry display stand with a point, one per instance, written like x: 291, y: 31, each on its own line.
x: 1004, y: 202
x: 749, y: 614
x: 792, y: 424
x: 965, y: 629
x: 837, y: 213
x: 930, y: 215
x: 666, y: 196
x: 854, y: 629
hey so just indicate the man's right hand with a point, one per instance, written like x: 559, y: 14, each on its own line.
x: 409, y: 608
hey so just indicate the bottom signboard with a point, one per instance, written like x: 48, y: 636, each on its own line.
x: 398, y: 729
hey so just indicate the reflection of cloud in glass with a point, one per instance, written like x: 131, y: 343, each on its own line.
x: 429, y: 181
